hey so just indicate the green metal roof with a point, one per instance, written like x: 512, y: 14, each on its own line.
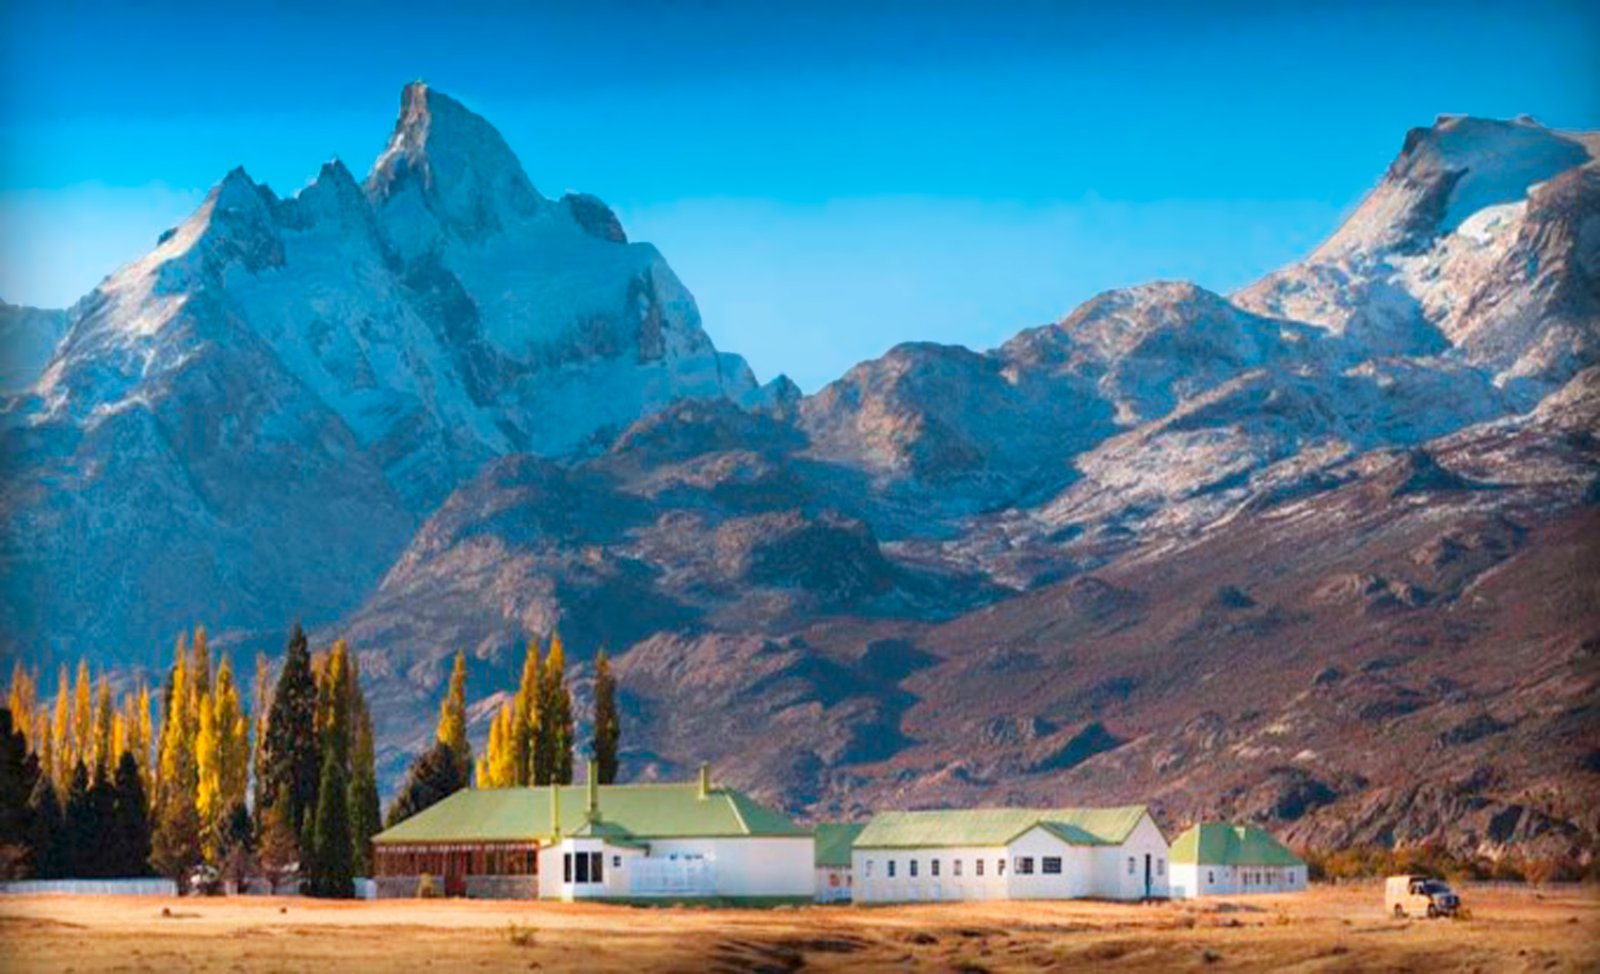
x: 666, y: 811
x: 834, y: 841
x: 1221, y: 844
x: 997, y: 826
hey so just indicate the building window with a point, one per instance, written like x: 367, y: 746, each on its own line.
x: 955, y: 866
x: 913, y: 869
x: 566, y: 867
x: 581, y: 874
x: 1161, y: 867
x: 597, y: 867
x: 999, y: 867
x: 933, y: 868
x: 1050, y: 865
x: 869, y: 868
x: 616, y: 862
x: 977, y: 867
x: 1132, y: 865
x: 891, y: 868
x: 1211, y: 878
x: 1024, y: 865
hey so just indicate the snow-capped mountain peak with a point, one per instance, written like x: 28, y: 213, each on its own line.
x: 1452, y: 253
x: 460, y: 168
x: 1447, y: 172
x: 333, y: 364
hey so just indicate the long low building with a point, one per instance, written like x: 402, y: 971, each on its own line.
x: 1218, y: 859
x: 649, y: 841
x: 1010, y: 853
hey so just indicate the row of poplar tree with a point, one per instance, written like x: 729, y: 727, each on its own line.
x: 531, y: 736
x: 88, y: 787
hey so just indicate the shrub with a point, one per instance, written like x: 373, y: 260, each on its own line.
x: 520, y: 936
x: 1552, y: 870
x: 1506, y: 871
x: 427, y: 889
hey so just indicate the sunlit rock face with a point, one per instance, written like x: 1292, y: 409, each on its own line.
x: 435, y: 409
x: 247, y: 424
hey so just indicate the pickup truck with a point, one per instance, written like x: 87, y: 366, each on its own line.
x: 1419, y: 896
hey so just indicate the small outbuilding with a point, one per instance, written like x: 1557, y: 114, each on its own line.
x: 1218, y: 859
x: 834, y: 877
x: 692, y: 841
x: 1010, y: 853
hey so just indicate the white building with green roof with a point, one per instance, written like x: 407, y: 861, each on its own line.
x: 834, y: 876
x: 1010, y: 853
x: 647, y: 841
x: 1218, y: 859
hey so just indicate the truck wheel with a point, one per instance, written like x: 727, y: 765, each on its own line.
x: 1433, y: 912
x: 1399, y: 912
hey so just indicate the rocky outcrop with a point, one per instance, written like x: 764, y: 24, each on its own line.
x: 262, y: 409
x: 1316, y: 554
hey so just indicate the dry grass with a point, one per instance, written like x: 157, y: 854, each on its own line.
x: 1324, y: 930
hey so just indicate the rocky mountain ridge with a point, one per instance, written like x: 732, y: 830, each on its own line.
x: 1180, y: 545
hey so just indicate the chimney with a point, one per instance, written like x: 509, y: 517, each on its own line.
x: 705, y: 781
x: 555, y: 811
x: 594, y: 793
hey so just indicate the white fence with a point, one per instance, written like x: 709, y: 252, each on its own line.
x: 671, y: 877
x: 100, y: 887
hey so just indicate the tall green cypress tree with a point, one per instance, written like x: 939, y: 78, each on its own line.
x: 607, y: 721
x: 331, y: 870
x: 130, y: 831
x: 434, y: 776
x: 175, y: 846
x: 365, y: 816
x: 525, y: 719
x: 453, y: 713
x: 333, y: 738
x: 103, y: 859
x: 291, y: 756
x: 19, y: 771
x: 555, y: 719
x: 46, y: 841
x: 79, y: 838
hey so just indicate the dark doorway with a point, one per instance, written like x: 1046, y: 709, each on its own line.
x: 1147, y: 875
x: 455, y: 872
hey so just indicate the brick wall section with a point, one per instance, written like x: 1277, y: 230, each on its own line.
x: 503, y: 887
x: 398, y: 887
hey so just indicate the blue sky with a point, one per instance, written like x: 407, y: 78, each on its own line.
x: 829, y: 179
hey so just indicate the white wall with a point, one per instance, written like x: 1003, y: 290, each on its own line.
x: 740, y: 866
x: 119, y: 887
x: 1074, y: 880
x: 753, y: 865
x: 1189, y: 880
x: 1112, y: 878
x: 1100, y: 871
x: 873, y: 884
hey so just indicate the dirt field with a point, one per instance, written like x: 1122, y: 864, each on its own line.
x: 1324, y: 930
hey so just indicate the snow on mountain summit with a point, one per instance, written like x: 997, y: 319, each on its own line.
x: 1447, y: 172
x: 1414, y: 268
x: 402, y: 333
x: 459, y: 168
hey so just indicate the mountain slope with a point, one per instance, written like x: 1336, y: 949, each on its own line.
x: 1407, y: 655
x: 1180, y: 485
x: 1393, y: 275
x: 264, y: 406
x: 28, y: 337
x: 1317, y: 554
